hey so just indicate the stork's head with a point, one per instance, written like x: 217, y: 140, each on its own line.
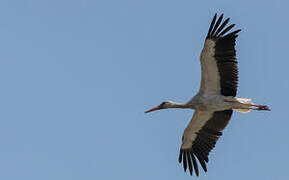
x: 163, y: 105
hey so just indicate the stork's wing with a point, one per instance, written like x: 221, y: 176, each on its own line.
x: 201, y: 136
x: 218, y: 60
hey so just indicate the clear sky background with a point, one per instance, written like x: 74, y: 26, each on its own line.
x: 77, y: 75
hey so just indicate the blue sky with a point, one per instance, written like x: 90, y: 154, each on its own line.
x: 76, y: 77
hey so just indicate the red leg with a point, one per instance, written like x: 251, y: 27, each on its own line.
x: 261, y: 107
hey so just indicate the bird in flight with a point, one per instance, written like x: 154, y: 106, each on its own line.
x: 216, y: 99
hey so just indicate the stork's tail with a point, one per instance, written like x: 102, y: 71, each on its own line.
x: 245, y: 105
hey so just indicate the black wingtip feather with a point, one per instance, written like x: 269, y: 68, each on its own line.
x: 237, y: 31
x: 180, y: 156
x: 206, y: 159
x: 211, y: 26
x: 234, y: 33
x: 185, y: 161
x: 200, y: 152
x: 195, y: 164
x: 201, y: 160
x: 190, y: 163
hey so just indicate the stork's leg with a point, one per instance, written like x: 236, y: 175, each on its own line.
x: 244, y: 105
x: 261, y: 107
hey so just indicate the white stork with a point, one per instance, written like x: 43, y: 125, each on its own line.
x: 215, y: 101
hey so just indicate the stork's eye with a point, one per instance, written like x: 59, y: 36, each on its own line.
x: 163, y: 103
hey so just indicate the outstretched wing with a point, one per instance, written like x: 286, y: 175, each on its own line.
x: 200, y: 137
x: 218, y: 60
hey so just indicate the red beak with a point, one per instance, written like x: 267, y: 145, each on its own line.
x: 153, y: 109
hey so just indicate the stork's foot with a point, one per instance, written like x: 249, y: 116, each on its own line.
x: 261, y: 108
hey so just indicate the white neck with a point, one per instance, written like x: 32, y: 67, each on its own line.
x: 178, y: 105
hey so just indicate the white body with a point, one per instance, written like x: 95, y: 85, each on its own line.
x: 217, y: 102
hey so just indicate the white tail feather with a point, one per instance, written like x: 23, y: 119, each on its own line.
x: 245, y: 103
x: 243, y: 110
x: 245, y: 100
